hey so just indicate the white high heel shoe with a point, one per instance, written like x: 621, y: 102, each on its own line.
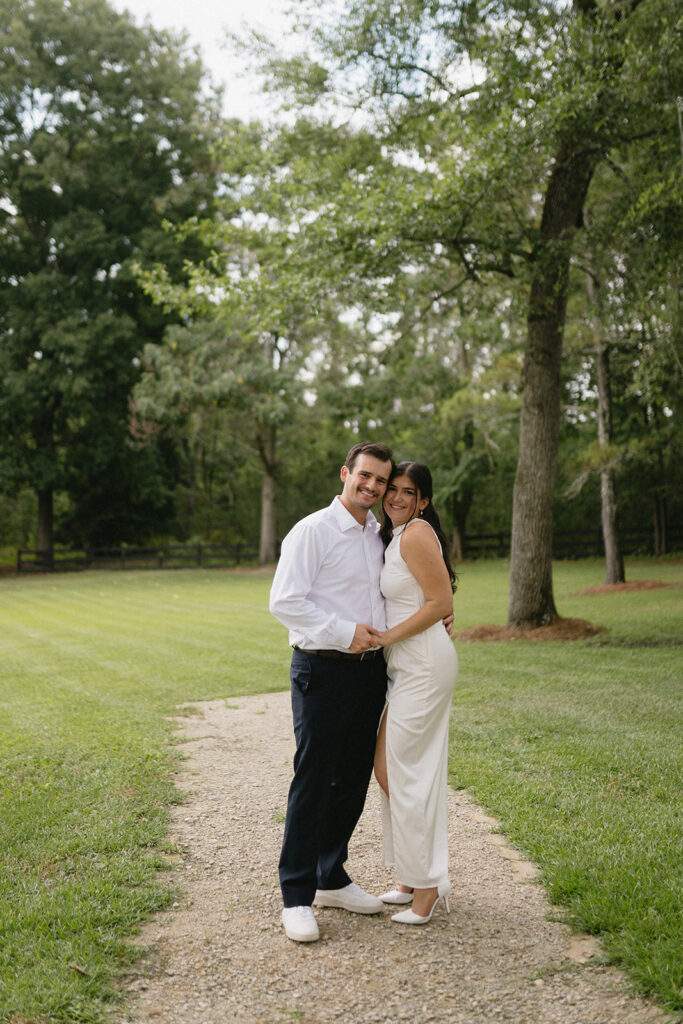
x: 396, y: 897
x: 410, y: 917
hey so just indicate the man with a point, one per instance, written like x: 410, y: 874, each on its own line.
x: 326, y: 591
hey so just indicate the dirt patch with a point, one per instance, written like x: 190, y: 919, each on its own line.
x: 560, y: 629
x: 617, y: 588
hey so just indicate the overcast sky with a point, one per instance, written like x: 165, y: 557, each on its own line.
x: 206, y: 22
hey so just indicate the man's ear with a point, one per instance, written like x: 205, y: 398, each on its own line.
x: 343, y: 473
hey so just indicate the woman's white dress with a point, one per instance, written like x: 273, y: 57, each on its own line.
x: 422, y: 672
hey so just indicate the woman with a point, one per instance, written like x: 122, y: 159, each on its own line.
x: 412, y: 744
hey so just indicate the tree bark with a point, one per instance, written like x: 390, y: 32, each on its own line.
x: 457, y: 546
x: 462, y: 500
x: 614, y: 562
x: 45, y: 530
x: 660, y: 524
x: 267, y: 449
x: 45, y: 485
x: 459, y: 538
x: 531, y: 602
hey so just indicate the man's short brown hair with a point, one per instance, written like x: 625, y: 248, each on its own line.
x: 379, y: 451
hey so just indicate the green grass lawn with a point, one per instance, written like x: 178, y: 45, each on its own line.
x: 576, y: 747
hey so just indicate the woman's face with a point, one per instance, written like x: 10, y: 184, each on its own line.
x: 402, y: 501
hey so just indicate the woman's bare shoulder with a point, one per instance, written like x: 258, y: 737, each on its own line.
x: 416, y: 540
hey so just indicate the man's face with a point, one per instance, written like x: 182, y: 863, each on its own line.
x: 364, y: 485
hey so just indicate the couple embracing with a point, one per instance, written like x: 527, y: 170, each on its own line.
x: 368, y: 609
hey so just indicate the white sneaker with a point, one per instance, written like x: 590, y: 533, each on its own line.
x: 351, y: 897
x: 300, y: 924
x: 396, y: 896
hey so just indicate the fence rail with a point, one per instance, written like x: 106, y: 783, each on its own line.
x: 169, y: 556
x: 567, y: 544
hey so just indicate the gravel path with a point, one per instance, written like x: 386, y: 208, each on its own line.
x: 220, y: 955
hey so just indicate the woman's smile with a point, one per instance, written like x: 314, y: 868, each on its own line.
x: 400, y: 502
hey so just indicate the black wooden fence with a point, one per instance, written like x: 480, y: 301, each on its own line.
x: 566, y: 544
x: 169, y: 556
x: 569, y: 544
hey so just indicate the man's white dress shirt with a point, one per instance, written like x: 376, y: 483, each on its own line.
x: 327, y: 579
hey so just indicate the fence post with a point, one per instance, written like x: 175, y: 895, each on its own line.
x: 18, y: 560
x: 45, y: 560
x: 199, y: 554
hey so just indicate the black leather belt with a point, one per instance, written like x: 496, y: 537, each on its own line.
x: 362, y: 656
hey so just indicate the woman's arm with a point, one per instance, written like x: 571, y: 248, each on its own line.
x: 421, y: 553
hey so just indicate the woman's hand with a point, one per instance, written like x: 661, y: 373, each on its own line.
x: 364, y: 638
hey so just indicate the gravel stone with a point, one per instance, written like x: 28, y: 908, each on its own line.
x: 220, y: 956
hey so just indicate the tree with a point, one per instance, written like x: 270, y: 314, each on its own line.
x: 219, y: 365
x: 492, y: 123
x: 438, y: 380
x: 632, y: 338
x: 614, y: 561
x: 103, y: 135
x: 260, y: 320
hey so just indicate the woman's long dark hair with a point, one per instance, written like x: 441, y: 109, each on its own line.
x: 422, y: 479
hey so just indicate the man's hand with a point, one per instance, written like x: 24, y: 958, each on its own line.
x: 364, y: 638
x: 448, y: 623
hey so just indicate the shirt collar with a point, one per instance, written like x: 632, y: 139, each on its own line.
x: 346, y: 521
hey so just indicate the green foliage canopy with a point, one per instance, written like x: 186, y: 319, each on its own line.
x: 103, y: 134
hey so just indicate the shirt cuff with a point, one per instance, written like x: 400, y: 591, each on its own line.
x: 344, y: 633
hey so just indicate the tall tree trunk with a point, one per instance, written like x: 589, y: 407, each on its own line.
x: 461, y: 507
x: 45, y: 530
x: 267, y: 449
x: 660, y: 523
x: 531, y: 600
x: 614, y: 562
x: 457, y: 546
x: 462, y: 499
x: 45, y: 446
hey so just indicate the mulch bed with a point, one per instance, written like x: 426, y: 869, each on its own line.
x: 560, y: 629
x: 615, y: 588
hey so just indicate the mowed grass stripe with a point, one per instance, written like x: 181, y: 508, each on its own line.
x: 115, y: 632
